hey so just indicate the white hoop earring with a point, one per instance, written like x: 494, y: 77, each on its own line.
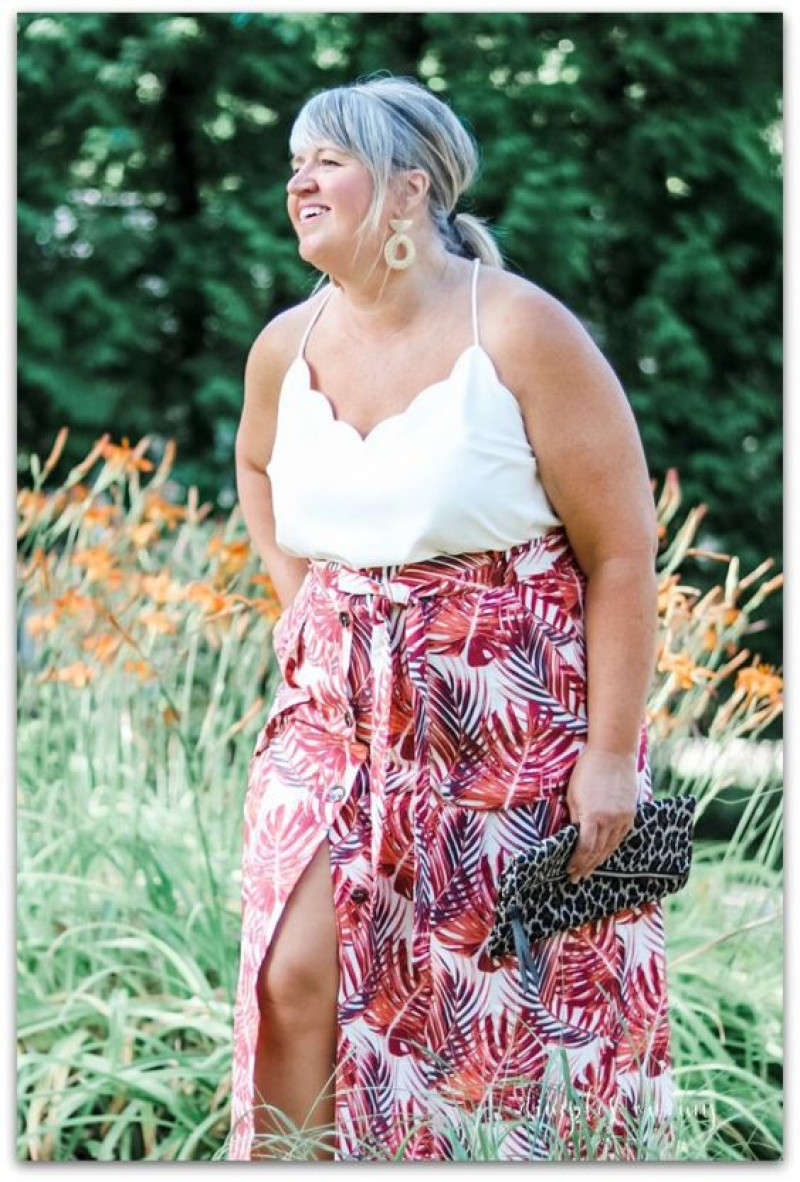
x: 399, y: 241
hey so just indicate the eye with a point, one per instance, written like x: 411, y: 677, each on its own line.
x: 336, y: 164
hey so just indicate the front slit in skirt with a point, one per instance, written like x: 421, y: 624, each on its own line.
x: 426, y: 723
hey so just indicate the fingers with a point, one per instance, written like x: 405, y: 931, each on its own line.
x: 595, y: 844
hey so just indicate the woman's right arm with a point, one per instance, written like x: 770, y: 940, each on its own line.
x: 266, y: 365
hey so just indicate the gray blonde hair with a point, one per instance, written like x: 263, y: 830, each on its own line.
x: 396, y: 123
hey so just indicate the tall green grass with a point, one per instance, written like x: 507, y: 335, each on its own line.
x: 144, y: 672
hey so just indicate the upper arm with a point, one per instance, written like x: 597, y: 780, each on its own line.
x: 582, y: 430
x: 264, y: 371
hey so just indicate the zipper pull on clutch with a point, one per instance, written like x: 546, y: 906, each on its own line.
x: 527, y: 965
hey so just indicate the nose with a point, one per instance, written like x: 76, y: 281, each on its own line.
x: 298, y: 181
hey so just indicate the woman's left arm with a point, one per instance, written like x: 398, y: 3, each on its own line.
x: 593, y: 469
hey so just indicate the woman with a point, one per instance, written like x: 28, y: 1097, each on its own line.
x: 444, y: 479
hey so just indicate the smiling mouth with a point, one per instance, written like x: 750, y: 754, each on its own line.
x: 312, y: 217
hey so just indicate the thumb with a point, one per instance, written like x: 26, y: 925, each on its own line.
x: 584, y: 848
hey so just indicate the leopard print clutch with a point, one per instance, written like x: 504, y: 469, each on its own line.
x: 536, y: 898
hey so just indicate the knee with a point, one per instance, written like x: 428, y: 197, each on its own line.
x: 298, y: 985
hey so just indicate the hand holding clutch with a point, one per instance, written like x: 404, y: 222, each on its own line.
x: 537, y: 899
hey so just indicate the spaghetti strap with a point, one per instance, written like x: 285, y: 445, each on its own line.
x: 312, y: 321
x: 323, y: 302
x: 475, y: 299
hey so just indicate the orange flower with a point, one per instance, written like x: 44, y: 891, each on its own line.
x: 162, y: 588
x: 760, y: 681
x: 103, y: 648
x: 142, y: 669
x: 73, y: 603
x: 143, y: 534
x: 685, y: 672
x: 42, y: 623
x: 101, y: 515
x: 270, y: 608
x: 232, y: 555
x: 29, y: 501
x: 710, y: 638
x: 77, y: 494
x: 163, y: 512
x: 731, y: 615
x: 100, y: 564
x: 123, y: 457
x: 673, y: 598
x: 78, y: 675
x: 210, y: 600
x: 666, y: 587
x: 39, y: 560
x: 158, y: 622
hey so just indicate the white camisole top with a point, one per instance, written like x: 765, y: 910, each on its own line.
x: 453, y: 473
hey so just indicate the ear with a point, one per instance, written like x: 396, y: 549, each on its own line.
x: 412, y: 187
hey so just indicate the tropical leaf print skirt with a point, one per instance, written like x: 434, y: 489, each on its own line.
x: 426, y: 723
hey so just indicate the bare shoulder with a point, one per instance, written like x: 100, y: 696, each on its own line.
x: 547, y: 358
x: 527, y: 322
x: 278, y: 340
x: 577, y: 418
x: 268, y: 360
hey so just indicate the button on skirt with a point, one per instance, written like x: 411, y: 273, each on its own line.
x: 426, y: 723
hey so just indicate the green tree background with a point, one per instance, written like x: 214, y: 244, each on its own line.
x: 631, y: 165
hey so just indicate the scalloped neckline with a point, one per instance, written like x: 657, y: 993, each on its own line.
x: 400, y: 415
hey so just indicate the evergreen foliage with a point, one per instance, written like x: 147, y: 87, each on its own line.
x: 631, y: 164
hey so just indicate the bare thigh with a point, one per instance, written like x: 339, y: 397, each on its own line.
x: 302, y: 963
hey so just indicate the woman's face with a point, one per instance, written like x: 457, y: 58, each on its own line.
x: 328, y: 196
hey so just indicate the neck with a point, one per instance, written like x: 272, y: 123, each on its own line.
x: 387, y: 301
